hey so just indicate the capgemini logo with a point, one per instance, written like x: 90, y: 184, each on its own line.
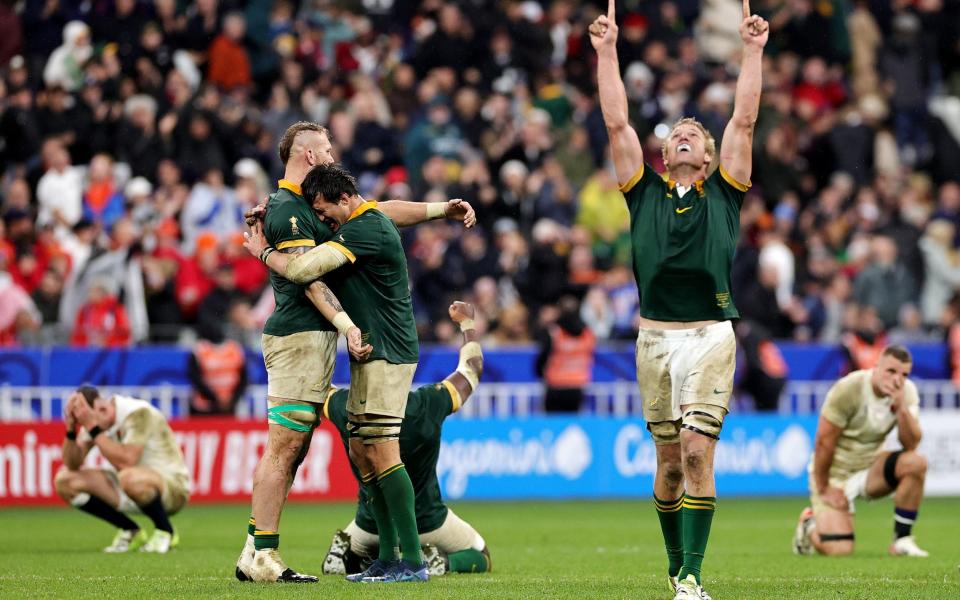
x: 572, y: 453
x: 568, y: 455
x: 792, y: 451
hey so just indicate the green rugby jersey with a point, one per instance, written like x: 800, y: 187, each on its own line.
x: 427, y: 407
x: 290, y: 223
x: 683, y: 246
x: 375, y: 289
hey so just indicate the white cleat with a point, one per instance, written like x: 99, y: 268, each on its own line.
x: 335, y: 562
x: 161, y: 542
x: 802, y: 544
x: 126, y: 540
x: 907, y: 546
x: 268, y: 567
x: 689, y: 590
x: 436, y: 562
x: 245, y: 562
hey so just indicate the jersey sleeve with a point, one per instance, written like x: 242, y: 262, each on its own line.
x: 359, y: 237
x: 288, y: 225
x: 137, y: 427
x: 634, y: 190
x: 840, y: 405
x: 733, y: 190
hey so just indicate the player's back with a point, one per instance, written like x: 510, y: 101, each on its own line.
x: 291, y: 223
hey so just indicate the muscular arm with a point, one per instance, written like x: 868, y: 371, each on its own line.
x: 471, y: 355
x: 74, y: 452
x: 324, y: 299
x: 303, y: 267
x: 625, y: 148
x: 121, y: 456
x: 407, y: 214
x: 824, y: 447
x: 908, y: 429
x: 736, y: 149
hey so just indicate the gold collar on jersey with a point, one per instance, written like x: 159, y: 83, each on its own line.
x: 368, y: 205
x: 697, y: 185
x: 286, y: 184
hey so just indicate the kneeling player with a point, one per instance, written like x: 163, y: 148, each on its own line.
x: 449, y: 543
x: 148, y: 475
x: 859, y: 412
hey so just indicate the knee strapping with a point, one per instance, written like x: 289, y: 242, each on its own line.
x: 376, y: 430
x: 298, y: 417
x: 890, y: 469
x: 836, y: 537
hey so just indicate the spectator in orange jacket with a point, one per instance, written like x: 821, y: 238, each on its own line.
x: 229, y: 63
x: 102, y: 321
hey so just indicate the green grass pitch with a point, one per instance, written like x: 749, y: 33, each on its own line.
x: 572, y: 550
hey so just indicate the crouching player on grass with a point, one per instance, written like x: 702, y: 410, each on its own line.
x: 147, y: 474
x: 848, y: 463
x: 449, y: 543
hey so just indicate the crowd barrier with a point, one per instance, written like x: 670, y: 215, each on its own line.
x: 491, y: 400
x: 487, y: 459
x: 61, y: 366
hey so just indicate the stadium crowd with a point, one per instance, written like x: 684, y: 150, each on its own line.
x: 134, y: 135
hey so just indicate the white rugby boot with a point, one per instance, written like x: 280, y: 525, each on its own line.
x: 268, y: 567
x: 126, y: 540
x: 245, y: 562
x: 802, y: 544
x: 907, y: 546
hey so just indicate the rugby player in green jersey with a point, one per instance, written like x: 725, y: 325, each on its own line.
x: 299, y: 344
x: 449, y: 543
x: 684, y: 229
x: 375, y: 285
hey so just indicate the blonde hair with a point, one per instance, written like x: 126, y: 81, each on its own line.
x: 710, y: 144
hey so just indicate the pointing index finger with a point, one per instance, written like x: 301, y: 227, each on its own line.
x: 746, y: 9
x: 612, y: 9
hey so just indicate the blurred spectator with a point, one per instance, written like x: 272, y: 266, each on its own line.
x: 865, y: 341
x: 17, y: 311
x: 102, y: 320
x: 47, y: 297
x: 910, y: 329
x: 941, y: 270
x: 212, y: 206
x: 565, y: 361
x: 103, y: 203
x: 596, y: 313
x: 228, y: 64
x: 764, y: 369
x: 60, y: 189
x: 217, y: 370
x: 215, y: 307
x: 65, y: 66
x: 884, y: 284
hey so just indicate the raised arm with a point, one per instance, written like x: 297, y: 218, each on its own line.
x: 624, y: 144
x: 407, y: 214
x: 74, y: 451
x: 470, y: 368
x: 736, y: 148
x: 299, y: 268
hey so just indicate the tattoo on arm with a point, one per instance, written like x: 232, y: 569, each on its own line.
x: 328, y: 295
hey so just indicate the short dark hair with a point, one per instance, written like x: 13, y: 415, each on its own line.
x: 288, y: 137
x: 89, y: 393
x: 898, y: 352
x: 330, y: 182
